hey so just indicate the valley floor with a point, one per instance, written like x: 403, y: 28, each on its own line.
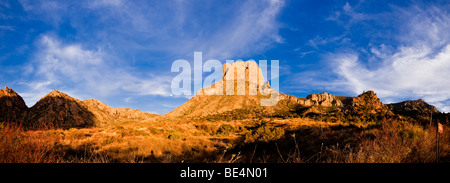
x: 292, y: 140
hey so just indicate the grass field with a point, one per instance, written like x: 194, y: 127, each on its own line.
x: 293, y: 140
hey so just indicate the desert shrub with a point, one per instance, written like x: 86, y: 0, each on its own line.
x: 412, y: 133
x: 201, y: 133
x: 111, y: 139
x: 236, y: 114
x: 240, y: 129
x: 264, y: 133
x: 285, y: 114
x: 174, y: 135
x: 206, y: 128
x: 155, y: 131
x: 225, y: 129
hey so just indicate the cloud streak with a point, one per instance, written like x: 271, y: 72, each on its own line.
x: 83, y: 72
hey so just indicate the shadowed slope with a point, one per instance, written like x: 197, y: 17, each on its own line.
x: 11, y: 106
x: 61, y: 111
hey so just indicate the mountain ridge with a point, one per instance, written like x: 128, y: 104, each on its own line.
x: 246, y: 93
x: 204, y: 103
x: 58, y: 109
x: 66, y: 112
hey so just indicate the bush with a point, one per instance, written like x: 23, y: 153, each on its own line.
x: 412, y: 133
x: 209, y: 129
x: 201, y: 133
x: 236, y: 114
x: 174, y: 136
x: 264, y: 133
x: 225, y: 129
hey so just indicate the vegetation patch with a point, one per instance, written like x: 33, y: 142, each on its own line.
x: 225, y: 129
x: 264, y: 133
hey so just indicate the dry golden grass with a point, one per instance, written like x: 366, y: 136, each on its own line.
x: 156, y: 141
x: 20, y: 146
x: 182, y: 140
x: 394, y: 142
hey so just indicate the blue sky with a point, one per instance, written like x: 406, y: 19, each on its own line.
x: 121, y: 52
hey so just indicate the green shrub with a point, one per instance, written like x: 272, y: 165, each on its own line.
x: 225, y: 129
x: 236, y: 114
x: 110, y: 140
x: 207, y: 128
x: 174, y: 136
x: 154, y: 130
x: 201, y: 133
x: 412, y: 133
x: 264, y: 133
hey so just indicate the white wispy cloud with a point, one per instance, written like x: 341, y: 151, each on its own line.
x: 85, y: 72
x: 178, y: 28
x: 182, y: 27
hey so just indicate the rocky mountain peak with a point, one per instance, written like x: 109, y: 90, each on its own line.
x: 56, y: 93
x: 60, y: 110
x: 239, y: 78
x: 242, y: 86
x: 12, y: 105
x: 7, y: 92
x: 248, y: 71
x: 367, y: 101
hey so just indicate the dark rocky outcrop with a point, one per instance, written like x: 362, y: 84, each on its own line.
x: 12, y: 106
x: 412, y: 107
x: 59, y: 110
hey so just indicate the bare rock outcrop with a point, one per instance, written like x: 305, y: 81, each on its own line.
x: 238, y: 78
x: 320, y: 99
x: 366, y: 102
x: 324, y: 99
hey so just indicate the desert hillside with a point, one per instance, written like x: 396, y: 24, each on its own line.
x: 57, y: 109
x: 319, y: 128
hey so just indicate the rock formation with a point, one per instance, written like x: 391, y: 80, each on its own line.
x: 239, y: 78
x: 324, y: 99
x: 11, y: 106
x: 246, y: 92
x: 320, y: 99
x: 366, y: 102
x: 59, y: 110
x: 242, y: 86
x: 412, y: 107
